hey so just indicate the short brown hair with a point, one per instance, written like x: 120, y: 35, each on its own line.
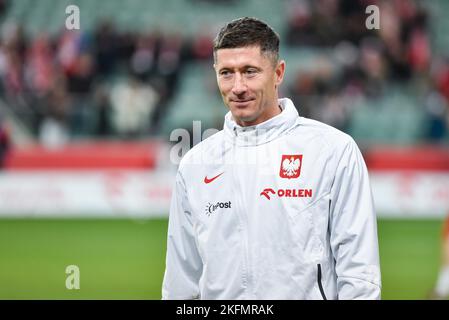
x: 246, y: 32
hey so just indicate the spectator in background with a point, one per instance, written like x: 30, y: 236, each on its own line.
x: 327, y: 22
x: 106, y: 45
x: 171, y: 58
x: 40, y: 69
x: 372, y: 67
x: 440, y: 77
x: 144, y: 58
x: 126, y: 45
x: 5, y: 142
x: 54, y: 129
x: 169, y: 61
x: 13, y: 50
x: 303, y: 92
x: 352, y: 20
x: 437, y: 101
x: 80, y: 80
x: 436, y: 108
x: 80, y: 85
x: 12, y: 75
x: 299, y: 23
x: 67, y: 51
x: 132, y: 105
x: 202, y: 45
x: 391, y: 36
x: 103, y: 109
x: 13, y: 38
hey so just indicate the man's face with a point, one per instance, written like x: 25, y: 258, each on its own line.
x: 248, y: 83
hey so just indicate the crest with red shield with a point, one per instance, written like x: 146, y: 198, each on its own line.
x: 290, y: 166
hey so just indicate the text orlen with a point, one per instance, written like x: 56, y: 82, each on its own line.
x: 295, y: 193
x: 287, y: 193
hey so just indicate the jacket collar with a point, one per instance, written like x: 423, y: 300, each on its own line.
x: 263, y: 132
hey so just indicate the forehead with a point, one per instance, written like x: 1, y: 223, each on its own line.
x: 239, y: 57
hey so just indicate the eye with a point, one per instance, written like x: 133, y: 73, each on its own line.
x: 225, y: 73
x: 251, y: 71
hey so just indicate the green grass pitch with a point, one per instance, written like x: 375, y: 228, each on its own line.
x: 124, y: 259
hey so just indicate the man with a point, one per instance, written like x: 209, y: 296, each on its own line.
x: 274, y: 206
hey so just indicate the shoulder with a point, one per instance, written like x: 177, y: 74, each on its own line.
x: 333, y: 138
x: 338, y: 147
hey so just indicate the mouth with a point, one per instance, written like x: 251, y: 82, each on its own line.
x: 241, y: 103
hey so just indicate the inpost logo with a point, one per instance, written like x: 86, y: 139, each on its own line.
x: 210, y: 207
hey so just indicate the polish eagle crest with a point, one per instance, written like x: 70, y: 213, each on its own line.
x: 290, y: 166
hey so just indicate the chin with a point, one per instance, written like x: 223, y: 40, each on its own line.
x: 242, y: 113
x: 244, y: 116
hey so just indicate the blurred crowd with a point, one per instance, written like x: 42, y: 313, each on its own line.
x: 104, y: 83
x: 111, y: 83
x: 369, y: 61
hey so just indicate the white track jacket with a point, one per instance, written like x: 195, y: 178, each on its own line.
x: 280, y: 210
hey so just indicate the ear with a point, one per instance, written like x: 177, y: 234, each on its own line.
x: 279, y: 72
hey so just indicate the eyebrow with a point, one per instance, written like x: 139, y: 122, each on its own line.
x: 247, y: 66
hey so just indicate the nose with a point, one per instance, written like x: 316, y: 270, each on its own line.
x: 239, y: 86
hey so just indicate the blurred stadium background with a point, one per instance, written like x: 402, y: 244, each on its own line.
x: 86, y: 117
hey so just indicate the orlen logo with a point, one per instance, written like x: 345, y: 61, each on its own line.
x: 210, y: 207
x: 287, y: 193
x: 266, y: 192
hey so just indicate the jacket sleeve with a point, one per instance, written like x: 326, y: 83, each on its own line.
x: 353, y: 228
x: 183, y: 263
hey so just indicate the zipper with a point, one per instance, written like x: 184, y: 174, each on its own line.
x: 246, y: 277
x: 320, y: 285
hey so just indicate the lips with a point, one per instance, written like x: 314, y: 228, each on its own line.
x: 241, y: 103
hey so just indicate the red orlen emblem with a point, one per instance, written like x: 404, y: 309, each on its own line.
x: 291, y: 166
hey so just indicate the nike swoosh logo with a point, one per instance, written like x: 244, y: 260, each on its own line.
x: 206, y: 180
